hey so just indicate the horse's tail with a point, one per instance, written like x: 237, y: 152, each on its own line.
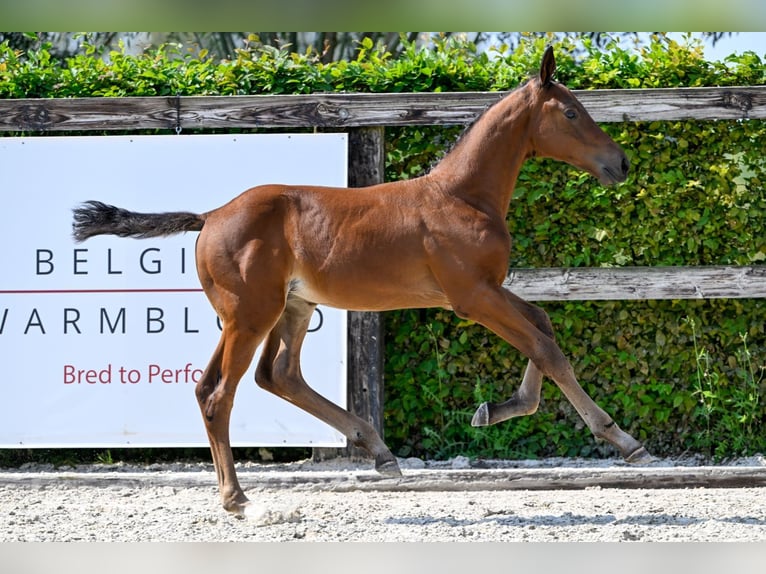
x: 96, y: 218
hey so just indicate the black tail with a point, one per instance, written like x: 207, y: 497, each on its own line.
x: 96, y: 218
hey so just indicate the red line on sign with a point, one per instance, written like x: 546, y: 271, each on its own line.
x: 66, y: 291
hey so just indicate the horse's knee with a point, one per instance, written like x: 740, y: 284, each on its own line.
x: 552, y: 362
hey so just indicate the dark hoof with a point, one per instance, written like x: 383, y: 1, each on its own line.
x: 239, y: 508
x: 389, y: 468
x: 639, y: 456
x: 481, y: 416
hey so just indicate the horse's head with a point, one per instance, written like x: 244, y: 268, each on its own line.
x: 566, y: 132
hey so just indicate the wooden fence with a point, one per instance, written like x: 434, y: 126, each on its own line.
x: 364, y: 116
x: 359, y: 110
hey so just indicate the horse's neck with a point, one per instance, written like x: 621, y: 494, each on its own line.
x: 482, y: 168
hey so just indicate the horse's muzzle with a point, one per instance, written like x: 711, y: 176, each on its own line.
x: 612, y: 174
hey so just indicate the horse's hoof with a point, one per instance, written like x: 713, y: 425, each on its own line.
x: 481, y: 416
x: 640, y: 456
x: 238, y: 508
x: 389, y: 468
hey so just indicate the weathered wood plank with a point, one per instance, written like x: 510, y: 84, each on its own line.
x: 335, y: 110
x: 357, y: 110
x: 676, y: 104
x: 84, y: 114
x: 635, y: 283
x: 365, y: 330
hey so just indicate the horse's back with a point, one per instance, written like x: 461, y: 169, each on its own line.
x: 349, y: 248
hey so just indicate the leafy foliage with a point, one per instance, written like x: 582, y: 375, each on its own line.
x: 679, y: 375
x: 695, y: 196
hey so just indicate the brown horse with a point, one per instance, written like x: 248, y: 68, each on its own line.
x: 268, y: 257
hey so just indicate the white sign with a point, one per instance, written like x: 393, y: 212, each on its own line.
x: 101, y: 343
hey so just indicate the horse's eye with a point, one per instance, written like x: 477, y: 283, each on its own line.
x: 570, y: 113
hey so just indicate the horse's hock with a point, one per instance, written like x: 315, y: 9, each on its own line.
x: 363, y: 115
x: 447, y: 247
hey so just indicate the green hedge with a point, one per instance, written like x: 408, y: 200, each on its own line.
x: 683, y: 376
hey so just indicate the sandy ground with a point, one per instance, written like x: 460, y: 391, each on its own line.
x: 348, y: 502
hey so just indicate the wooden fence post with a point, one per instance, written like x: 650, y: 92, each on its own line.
x: 366, y: 164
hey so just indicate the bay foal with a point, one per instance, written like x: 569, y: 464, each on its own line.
x: 269, y: 256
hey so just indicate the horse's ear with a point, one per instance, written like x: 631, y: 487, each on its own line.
x: 547, y: 67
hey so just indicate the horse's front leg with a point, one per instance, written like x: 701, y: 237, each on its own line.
x: 523, y: 402
x: 507, y: 315
x: 527, y: 398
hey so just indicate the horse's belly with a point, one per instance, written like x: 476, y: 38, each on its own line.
x: 368, y: 295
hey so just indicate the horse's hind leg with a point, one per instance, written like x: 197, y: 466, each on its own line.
x: 215, y: 395
x: 279, y: 372
x: 242, y: 333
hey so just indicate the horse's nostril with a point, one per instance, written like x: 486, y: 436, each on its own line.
x: 625, y: 166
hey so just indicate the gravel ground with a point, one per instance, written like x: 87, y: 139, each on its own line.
x: 341, y: 501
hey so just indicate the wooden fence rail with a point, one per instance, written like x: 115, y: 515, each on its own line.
x: 634, y: 283
x: 364, y: 116
x: 359, y: 110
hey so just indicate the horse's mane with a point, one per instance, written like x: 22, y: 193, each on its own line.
x: 477, y: 119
